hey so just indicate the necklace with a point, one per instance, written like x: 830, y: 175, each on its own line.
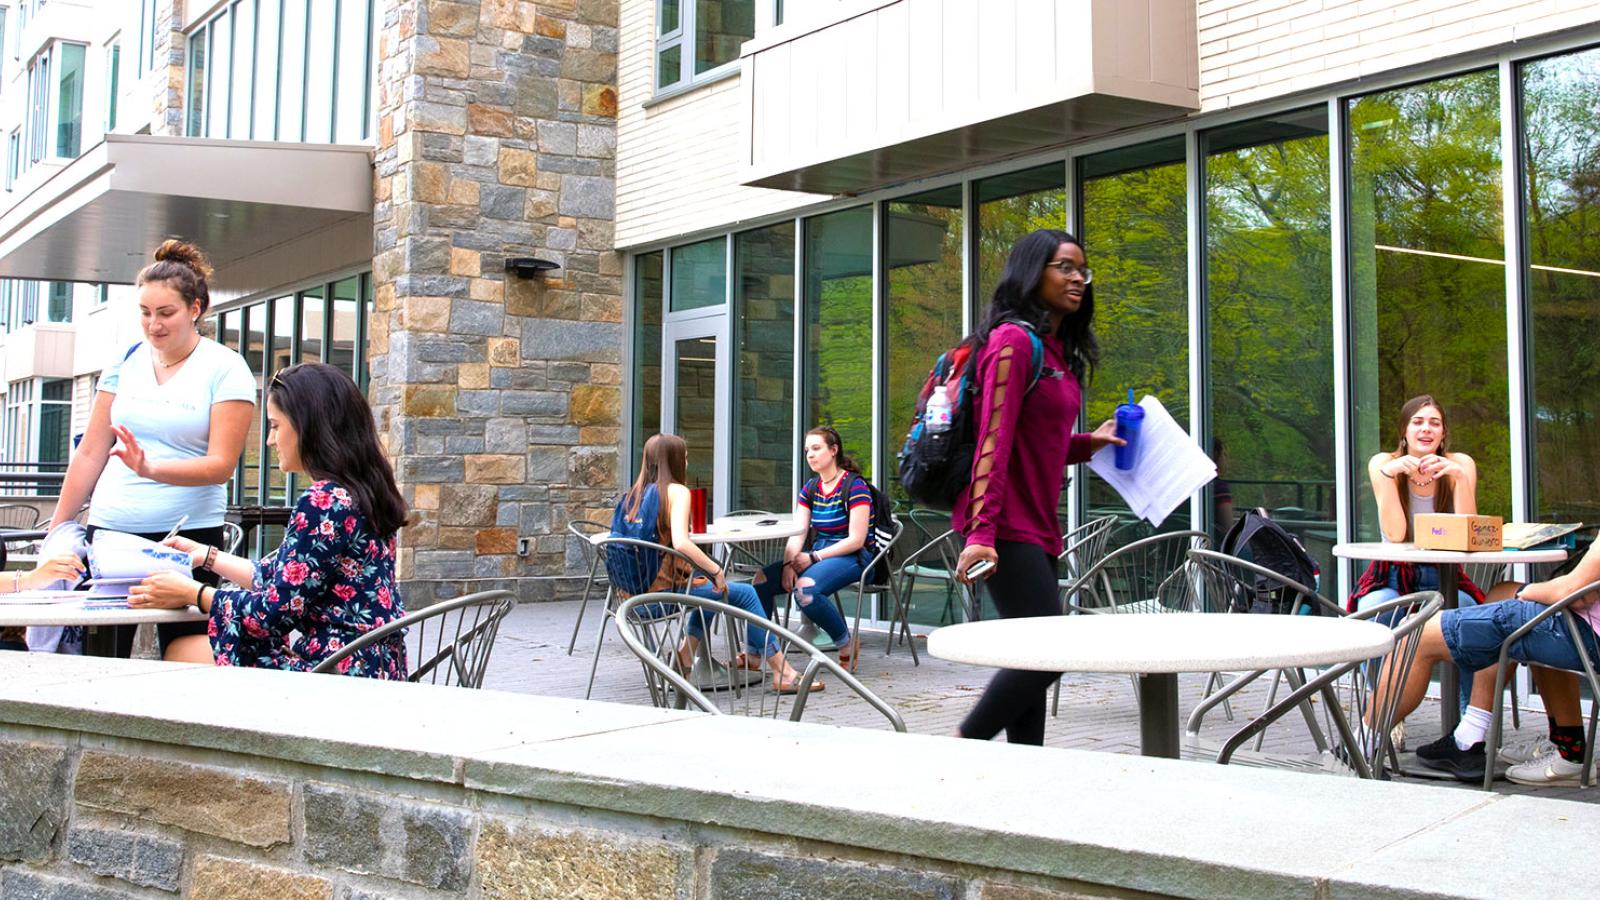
x: 168, y: 365
x: 825, y: 488
x: 1420, y: 484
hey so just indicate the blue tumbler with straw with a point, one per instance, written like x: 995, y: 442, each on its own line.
x: 1130, y: 418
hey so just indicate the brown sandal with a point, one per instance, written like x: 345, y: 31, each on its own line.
x: 792, y: 686
x: 850, y: 654
x: 746, y: 662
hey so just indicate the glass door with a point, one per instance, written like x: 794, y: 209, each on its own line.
x: 693, y: 390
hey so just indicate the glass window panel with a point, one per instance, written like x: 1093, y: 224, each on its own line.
x: 255, y: 339
x: 283, y: 329
x: 720, y: 28
x: 700, y: 275
x: 1010, y: 206
x: 1268, y: 271
x: 669, y: 65
x: 1561, y: 141
x: 670, y: 17
x: 763, y: 404
x: 313, y: 317
x: 352, y: 86
x: 838, y: 339
x: 922, y: 319
x: 220, y: 63
x: 1135, y: 230
x: 1427, y: 276
x: 319, y: 72
x: 113, y: 73
x: 647, y: 298
x: 242, y: 82
x: 264, y: 76
x: 342, y: 347
x: 195, y: 117
x: 695, y: 401
x: 59, y: 308
x: 69, y: 101
x: 291, y: 73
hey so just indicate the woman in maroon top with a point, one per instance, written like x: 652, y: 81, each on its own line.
x: 1007, y: 513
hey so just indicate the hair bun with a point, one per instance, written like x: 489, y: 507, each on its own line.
x: 182, y: 252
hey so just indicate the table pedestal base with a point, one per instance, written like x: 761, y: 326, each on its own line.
x: 1450, y: 677
x: 1158, y: 715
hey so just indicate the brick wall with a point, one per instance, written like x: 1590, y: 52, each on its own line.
x: 1253, y: 50
x: 497, y: 397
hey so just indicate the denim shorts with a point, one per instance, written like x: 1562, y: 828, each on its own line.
x: 1474, y: 635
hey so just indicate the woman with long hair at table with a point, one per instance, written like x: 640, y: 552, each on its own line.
x: 1007, y: 512
x: 333, y: 578
x: 165, y: 432
x: 663, y: 471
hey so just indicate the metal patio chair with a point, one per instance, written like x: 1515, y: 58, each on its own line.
x: 652, y: 626
x: 632, y: 561
x: 744, y: 559
x: 232, y: 537
x: 1150, y: 575
x: 453, y: 639
x: 584, y: 531
x: 1563, y: 608
x: 19, y: 517
x: 1082, y: 547
x: 868, y: 586
x: 1233, y: 585
x: 1359, y: 682
x: 933, y: 561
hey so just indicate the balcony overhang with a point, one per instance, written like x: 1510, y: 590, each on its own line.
x: 99, y: 217
x: 878, y: 95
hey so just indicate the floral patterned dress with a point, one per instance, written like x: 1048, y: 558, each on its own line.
x: 331, y: 581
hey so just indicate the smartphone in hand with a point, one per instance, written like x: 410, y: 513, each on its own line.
x: 980, y: 568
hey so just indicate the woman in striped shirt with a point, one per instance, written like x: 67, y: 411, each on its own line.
x: 836, y: 505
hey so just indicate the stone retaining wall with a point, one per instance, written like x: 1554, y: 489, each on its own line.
x: 132, y: 779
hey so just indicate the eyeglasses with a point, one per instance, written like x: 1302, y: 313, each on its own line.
x: 1068, y: 269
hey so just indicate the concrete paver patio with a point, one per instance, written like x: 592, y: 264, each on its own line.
x: 1097, y: 712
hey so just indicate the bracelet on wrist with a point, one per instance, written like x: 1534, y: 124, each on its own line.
x: 210, y: 560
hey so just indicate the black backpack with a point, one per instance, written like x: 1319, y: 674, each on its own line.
x: 935, y: 466
x: 1256, y: 538
x: 880, y: 523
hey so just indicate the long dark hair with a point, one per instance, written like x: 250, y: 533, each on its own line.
x: 338, y: 440
x: 1444, y: 496
x: 664, y: 462
x: 830, y: 438
x: 1016, y: 298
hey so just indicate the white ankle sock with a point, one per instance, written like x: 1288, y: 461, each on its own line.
x: 1473, y: 726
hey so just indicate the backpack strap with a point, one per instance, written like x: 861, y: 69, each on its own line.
x: 136, y: 345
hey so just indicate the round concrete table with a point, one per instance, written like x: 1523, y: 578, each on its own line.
x: 1156, y: 648
x: 1447, y: 561
x: 736, y: 530
x: 73, y: 613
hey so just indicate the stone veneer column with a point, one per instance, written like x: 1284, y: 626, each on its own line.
x: 166, y: 103
x: 498, y: 398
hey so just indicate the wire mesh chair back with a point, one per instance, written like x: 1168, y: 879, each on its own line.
x: 1083, y: 546
x: 232, y: 537
x: 632, y: 566
x: 448, y: 643
x: 1151, y: 575
x: 746, y: 558
x: 652, y: 626
x: 1370, y: 690
x: 18, y: 516
x: 1231, y: 584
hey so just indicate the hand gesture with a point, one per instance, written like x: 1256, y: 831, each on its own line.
x: 1401, y: 465
x: 61, y: 567
x: 1105, y: 434
x: 1432, y: 466
x: 719, y: 583
x: 971, y: 555
x: 789, y: 574
x: 196, y: 550
x: 129, y: 451
x: 163, y: 590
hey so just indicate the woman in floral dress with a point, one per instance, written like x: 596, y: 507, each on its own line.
x: 333, y: 578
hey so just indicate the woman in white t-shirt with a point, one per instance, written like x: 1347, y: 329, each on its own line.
x: 166, y: 430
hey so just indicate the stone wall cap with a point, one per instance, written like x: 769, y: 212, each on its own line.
x: 1135, y: 823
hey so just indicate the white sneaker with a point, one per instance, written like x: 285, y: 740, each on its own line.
x: 1547, y: 771
x: 1526, y: 750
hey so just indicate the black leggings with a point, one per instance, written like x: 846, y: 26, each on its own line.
x: 1023, y: 585
x: 168, y: 632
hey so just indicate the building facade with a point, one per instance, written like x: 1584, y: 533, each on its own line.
x: 763, y: 216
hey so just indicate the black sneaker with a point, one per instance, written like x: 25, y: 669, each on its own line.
x: 1465, y: 765
x: 1442, y: 748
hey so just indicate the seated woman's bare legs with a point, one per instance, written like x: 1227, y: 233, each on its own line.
x: 191, y: 648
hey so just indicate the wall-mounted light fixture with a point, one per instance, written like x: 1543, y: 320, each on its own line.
x: 529, y: 266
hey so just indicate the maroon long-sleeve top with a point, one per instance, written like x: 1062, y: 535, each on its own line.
x: 1033, y: 444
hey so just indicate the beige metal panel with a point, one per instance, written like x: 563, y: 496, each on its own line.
x: 1112, y: 65
x: 42, y: 350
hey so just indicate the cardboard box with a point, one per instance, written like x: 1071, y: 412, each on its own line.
x: 1449, y: 531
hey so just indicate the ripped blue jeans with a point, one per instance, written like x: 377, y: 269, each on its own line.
x: 814, y: 588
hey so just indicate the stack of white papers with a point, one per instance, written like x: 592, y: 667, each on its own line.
x: 1170, y: 467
